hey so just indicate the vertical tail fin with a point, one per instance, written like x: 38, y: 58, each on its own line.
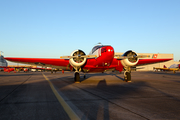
x: 155, y: 55
x: 165, y: 66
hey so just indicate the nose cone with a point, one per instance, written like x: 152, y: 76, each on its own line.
x: 107, y: 49
x: 110, y: 49
x: 107, y: 53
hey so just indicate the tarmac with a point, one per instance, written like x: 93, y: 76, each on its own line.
x: 99, y: 96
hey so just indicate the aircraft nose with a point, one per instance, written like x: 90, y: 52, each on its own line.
x: 109, y: 52
x: 108, y: 49
x: 108, y: 55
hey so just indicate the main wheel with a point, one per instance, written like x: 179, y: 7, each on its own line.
x: 127, y: 76
x: 76, y: 77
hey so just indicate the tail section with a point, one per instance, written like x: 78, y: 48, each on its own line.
x: 165, y: 66
x: 155, y: 55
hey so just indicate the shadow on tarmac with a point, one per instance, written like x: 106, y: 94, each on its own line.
x: 98, y: 108
x: 105, y: 94
x: 110, y: 92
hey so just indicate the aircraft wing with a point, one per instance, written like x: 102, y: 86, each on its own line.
x: 64, y: 63
x: 47, y: 62
x: 161, y: 68
x: 167, y: 69
x: 151, y: 61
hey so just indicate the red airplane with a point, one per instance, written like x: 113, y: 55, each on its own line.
x: 100, y: 59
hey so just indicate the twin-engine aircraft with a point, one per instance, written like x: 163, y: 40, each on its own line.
x: 100, y: 59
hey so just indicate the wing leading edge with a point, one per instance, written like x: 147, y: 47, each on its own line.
x: 56, y: 63
x: 151, y: 61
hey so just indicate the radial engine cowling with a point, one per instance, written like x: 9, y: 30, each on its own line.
x: 77, y: 61
x: 133, y: 60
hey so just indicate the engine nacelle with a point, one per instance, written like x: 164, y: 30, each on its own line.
x: 77, y: 61
x: 130, y: 61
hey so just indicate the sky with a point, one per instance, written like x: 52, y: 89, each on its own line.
x: 53, y: 28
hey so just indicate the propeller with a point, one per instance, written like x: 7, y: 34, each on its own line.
x: 78, y: 56
x: 132, y: 56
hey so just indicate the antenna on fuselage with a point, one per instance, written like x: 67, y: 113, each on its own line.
x: 99, y: 43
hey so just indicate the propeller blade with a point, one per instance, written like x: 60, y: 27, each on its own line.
x: 142, y: 56
x: 81, y: 55
x: 132, y: 56
x: 67, y: 57
x: 89, y: 56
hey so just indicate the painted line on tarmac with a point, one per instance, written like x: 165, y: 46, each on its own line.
x: 72, y: 115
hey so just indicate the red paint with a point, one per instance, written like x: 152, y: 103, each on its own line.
x: 105, y: 61
x: 150, y: 61
x: 9, y: 70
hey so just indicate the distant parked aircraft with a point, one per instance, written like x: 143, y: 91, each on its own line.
x: 14, y: 69
x: 173, y: 67
x: 26, y: 69
x: 9, y: 70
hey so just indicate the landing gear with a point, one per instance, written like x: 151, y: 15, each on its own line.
x: 84, y: 75
x: 76, y: 77
x: 127, y: 74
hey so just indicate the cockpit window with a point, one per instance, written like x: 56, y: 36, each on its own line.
x: 96, y: 47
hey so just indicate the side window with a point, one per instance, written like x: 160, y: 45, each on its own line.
x: 103, y: 50
x: 95, y: 48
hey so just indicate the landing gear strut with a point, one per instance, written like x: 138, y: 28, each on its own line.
x: 84, y: 75
x: 127, y: 74
x: 76, y: 77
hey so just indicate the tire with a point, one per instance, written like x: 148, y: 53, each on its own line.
x: 127, y: 76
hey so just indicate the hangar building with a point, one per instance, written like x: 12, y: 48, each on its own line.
x: 154, y: 56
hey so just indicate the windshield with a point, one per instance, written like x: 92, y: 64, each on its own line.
x: 96, y: 47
